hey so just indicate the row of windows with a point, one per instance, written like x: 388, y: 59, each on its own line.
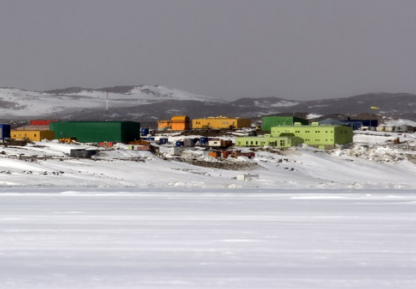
x: 282, y: 143
x: 306, y: 131
x: 20, y: 135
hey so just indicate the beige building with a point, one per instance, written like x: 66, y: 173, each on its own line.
x: 220, y: 122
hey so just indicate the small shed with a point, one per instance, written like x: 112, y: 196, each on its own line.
x: 247, y: 177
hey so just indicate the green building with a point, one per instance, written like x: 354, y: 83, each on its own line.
x: 97, y: 131
x: 320, y: 136
x: 267, y: 140
x: 267, y: 122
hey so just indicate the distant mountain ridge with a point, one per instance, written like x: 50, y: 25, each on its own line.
x: 147, y: 103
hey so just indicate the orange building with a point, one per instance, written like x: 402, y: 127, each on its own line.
x: 180, y: 123
x: 176, y: 123
x: 163, y: 124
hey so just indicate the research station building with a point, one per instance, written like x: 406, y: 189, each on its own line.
x: 97, y: 131
x: 220, y: 122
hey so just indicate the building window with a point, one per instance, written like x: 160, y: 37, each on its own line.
x: 282, y: 143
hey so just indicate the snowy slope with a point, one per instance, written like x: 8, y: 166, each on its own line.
x: 372, y: 162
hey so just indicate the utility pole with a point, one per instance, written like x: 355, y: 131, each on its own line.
x: 106, y: 116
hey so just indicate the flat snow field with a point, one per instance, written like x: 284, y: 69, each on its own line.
x: 203, y: 238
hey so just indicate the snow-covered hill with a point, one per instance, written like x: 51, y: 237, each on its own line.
x: 147, y: 103
x: 17, y: 103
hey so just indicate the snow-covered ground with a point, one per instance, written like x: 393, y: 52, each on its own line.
x: 344, y: 218
x: 187, y: 238
x: 373, y: 162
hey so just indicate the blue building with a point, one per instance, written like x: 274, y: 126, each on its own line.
x: 357, y: 124
x: 4, y: 131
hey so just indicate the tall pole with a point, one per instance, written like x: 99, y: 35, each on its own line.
x: 106, y: 108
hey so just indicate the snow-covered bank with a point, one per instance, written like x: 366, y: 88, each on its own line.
x: 155, y: 238
x: 373, y: 162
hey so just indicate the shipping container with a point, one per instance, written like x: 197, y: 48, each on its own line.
x: 82, y: 153
x: 97, y: 131
x: 225, y: 154
x: 203, y: 141
x: 106, y: 144
x: 144, y: 131
x: 236, y: 154
x: 163, y: 140
x: 5, y: 130
x: 170, y: 150
x: 143, y: 148
x: 220, y: 143
x: 188, y: 142
x: 32, y: 135
x: 41, y: 122
x: 214, y: 154
x: 140, y: 142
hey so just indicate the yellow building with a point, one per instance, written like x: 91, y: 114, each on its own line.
x: 180, y: 123
x: 33, y: 135
x: 220, y: 122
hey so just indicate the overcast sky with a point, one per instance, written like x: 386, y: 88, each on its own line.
x: 294, y: 49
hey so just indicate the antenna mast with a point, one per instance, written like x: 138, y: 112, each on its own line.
x: 106, y: 107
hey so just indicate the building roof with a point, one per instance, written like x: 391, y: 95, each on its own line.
x: 180, y: 118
